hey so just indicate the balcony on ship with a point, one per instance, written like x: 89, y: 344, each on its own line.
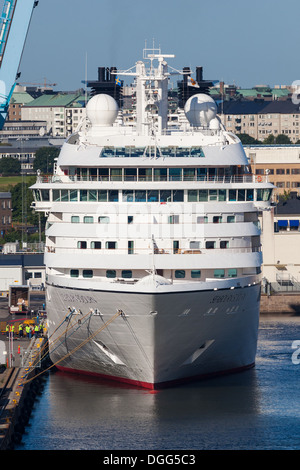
x: 158, y: 175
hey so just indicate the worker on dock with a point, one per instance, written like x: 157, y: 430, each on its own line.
x: 28, y: 331
x: 21, y: 330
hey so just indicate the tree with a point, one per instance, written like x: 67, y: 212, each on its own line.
x: 10, y: 166
x: 44, y: 159
x: 269, y: 140
x: 247, y: 139
x: 21, y: 199
x: 283, y: 139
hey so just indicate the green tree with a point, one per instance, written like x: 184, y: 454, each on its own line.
x: 269, y: 140
x: 21, y: 199
x: 283, y: 139
x: 10, y: 166
x: 247, y: 139
x: 44, y: 159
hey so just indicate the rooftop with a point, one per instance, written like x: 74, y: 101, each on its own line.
x: 259, y: 107
x: 54, y: 100
x: 290, y: 206
x: 21, y: 259
x: 21, y: 98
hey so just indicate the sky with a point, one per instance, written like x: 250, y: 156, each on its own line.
x: 240, y: 42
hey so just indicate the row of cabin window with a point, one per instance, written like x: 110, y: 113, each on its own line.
x: 193, y: 195
x: 149, y: 151
x: 179, y: 273
x: 155, y: 174
x: 109, y: 245
x: 231, y: 195
x: 172, y: 219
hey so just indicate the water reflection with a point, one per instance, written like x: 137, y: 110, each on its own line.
x: 257, y: 409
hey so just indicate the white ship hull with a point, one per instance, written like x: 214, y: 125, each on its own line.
x: 153, y: 252
x: 159, y: 339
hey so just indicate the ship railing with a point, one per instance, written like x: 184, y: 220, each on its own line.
x: 157, y: 251
x: 249, y: 178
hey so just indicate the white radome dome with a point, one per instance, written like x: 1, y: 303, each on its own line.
x: 102, y: 110
x: 200, y: 109
x: 215, y: 124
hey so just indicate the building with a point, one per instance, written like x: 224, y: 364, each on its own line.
x: 280, y: 244
x: 21, y: 268
x: 25, y: 156
x: 264, y: 92
x: 22, y: 130
x: 281, y: 163
x: 5, y: 213
x: 17, y: 101
x: 61, y: 111
x: 261, y: 118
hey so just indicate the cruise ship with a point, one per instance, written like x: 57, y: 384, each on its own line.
x: 153, y: 252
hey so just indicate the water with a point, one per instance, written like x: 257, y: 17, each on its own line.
x: 257, y: 409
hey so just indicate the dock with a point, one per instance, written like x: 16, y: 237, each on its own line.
x: 19, y: 386
x: 22, y: 373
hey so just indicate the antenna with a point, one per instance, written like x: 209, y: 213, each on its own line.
x: 86, y: 65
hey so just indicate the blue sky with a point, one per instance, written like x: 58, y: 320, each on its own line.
x: 242, y: 42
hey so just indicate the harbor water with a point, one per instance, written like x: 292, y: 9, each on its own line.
x: 258, y: 409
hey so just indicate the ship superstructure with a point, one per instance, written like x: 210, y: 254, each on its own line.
x: 153, y: 253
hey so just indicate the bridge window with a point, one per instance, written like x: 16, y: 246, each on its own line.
x: 153, y: 195
x: 195, y: 273
x: 111, y: 245
x: 103, y: 220
x: 113, y: 195
x: 219, y: 273
x: 210, y: 245
x: 87, y: 219
x: 82, y: 245
x: 87, y: 273
x: 203, y: 195
x: 178, y: 196
x: 96, y: 245
x: 179, y: 274
x: 140, y: 196
x: 165, y: 196
x: 232, y: 272
x: 111, y: 273
x: 126, y: 273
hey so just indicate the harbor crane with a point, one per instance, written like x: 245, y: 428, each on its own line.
x: 14, y: 24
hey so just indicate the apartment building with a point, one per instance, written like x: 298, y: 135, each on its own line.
x: 261, y: 118
x: 5, y: 212
x: 61, y: 111
x: 17, y: 101
x: 22, y: 130
x: 281, y: 163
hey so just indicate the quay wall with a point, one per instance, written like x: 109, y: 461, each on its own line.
x: 287, y: 303
x: 25, y: 384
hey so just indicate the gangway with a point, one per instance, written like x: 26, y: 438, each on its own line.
x: 14, y: 24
